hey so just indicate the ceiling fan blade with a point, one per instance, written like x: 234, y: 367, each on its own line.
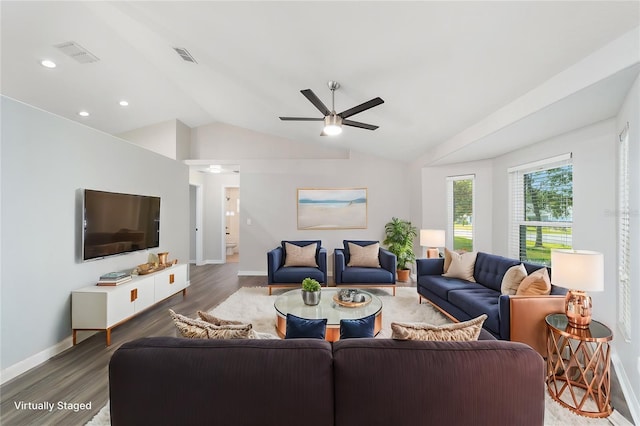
x: 359, y: 124
x: 362, y: 107
x: 308, y: 93
x: 301, y: 119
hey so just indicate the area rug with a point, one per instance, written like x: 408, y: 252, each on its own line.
x: 253, y: 304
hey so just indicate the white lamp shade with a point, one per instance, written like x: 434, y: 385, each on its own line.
x: 432, y: 238
x: 577, y: 269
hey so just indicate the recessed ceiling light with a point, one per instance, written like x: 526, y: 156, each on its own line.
x: 83, y: 114
x: 124, y: 103
x: 47, y: 63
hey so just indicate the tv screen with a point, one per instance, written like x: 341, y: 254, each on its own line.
x: 117, y: 223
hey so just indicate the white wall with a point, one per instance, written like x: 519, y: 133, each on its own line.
x: 434, y: 199
x: 629, y: 351
x: 46, y: 161
x: 170, y: 138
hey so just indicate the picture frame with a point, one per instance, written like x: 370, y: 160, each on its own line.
x: 332, y: 208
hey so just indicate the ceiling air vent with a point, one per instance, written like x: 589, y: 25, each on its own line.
x: 184, y: 54
x: 77, y: 52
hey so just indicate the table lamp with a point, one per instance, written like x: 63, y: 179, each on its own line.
x: 432, y: 239
x: 579, y: 271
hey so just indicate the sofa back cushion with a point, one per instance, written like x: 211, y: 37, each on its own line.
x: 490, y: 269
x: 448, y: 383
x: 170, y: 381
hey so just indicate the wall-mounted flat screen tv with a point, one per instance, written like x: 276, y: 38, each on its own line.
x: 115, y: 223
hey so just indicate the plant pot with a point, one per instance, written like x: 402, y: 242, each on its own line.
x: 311, y: 298
x: 403, y: 274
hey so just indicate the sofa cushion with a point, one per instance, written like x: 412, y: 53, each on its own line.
x: 512, y: 279
x: 297, y: 274
x: 300, y: 255
x: 364, y: 256
x: 441, y: 285
x: 454, y: 332
x: 362, y: 243
x: 198, y: 329
x: 367, y: 275
x: 477, y: 301
x: 357, y: 328
x: 535, y: 284
x: 303, y: 328
x: 462, y: 266
x: 490, y: 269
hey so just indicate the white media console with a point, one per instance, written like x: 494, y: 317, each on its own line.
x: 105, y: 307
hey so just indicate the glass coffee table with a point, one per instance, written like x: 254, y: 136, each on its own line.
x: 291, y: 303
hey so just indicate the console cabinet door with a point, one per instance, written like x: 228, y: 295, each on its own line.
x: 170, y: 281
x: 145, y: 295
x: 120, y: 304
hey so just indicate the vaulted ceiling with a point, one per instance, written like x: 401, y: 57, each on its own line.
x: 441, y: 67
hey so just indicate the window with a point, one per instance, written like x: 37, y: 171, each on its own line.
x: 460, y: 212
x: 541, y: 209
x: 624, y: 265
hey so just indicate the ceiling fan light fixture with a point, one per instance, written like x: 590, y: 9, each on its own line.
x: 332, y: 125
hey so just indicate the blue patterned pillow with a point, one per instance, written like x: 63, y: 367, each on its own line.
x: 356, y: 328
x: 303, y: 328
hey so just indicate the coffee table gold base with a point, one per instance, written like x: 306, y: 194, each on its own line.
x: 333, y: 331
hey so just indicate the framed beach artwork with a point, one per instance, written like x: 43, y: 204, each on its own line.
x: 332, y: 208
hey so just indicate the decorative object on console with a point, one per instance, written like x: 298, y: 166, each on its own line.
x: 432, y: 239
x: 399, y: 235
x: 456, y: 332
x: 162, y: 258
x: 311, y: 291
x: 579, y: 271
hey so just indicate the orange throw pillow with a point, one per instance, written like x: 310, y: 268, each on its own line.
x: 536, y: 284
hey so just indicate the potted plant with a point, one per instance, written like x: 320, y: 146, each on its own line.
x: 311, y: 291
x: 399, y: 241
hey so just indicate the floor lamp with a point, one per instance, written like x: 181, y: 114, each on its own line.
x: 432, y: 239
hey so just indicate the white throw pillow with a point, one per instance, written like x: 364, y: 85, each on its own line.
x: 512, y: 279
x: 300, y: 256
x: 366, y: 256
x: 462, y: 265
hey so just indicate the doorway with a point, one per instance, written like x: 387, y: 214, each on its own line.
x: 232, y: 223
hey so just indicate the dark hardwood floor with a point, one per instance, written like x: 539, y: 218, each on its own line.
x: 80, y: 374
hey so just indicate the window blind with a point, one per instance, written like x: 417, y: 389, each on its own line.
x: 624, y: 246
x: 541, y: 203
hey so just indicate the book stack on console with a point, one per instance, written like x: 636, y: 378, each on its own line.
x: 114, y: 278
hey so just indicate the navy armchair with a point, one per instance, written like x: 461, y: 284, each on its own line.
x: 303, y: 262
x: 359, y: 275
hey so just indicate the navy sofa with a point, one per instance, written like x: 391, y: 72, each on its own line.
x: 173, y: 381
x: 355, y: 276
x: 280, y: 276
x: 516, y: 318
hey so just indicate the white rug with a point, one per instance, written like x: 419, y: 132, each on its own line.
x: 254, y: 305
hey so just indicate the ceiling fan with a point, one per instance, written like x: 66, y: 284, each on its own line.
x: 333, y: 121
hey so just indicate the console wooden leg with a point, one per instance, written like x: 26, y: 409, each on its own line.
x: 269, y: 290
x: 74, y: 336
x: 184, y: 292
x: 108, y: 333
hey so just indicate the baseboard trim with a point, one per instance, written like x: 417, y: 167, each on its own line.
x: 629, y: 396
x: 252, y: 273
x: 214, y: 261
x: 23, y: 366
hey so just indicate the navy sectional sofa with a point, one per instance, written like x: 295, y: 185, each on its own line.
x: 517, y: 318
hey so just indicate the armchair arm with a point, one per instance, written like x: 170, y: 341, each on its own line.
x: 274, y: 261
x: 388, y: 260
x: 430, y: 266
x: 322, y: 263
x: 338, y: 265
x: 527, y: 314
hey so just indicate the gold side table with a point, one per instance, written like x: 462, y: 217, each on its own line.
x: 578, y: 366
